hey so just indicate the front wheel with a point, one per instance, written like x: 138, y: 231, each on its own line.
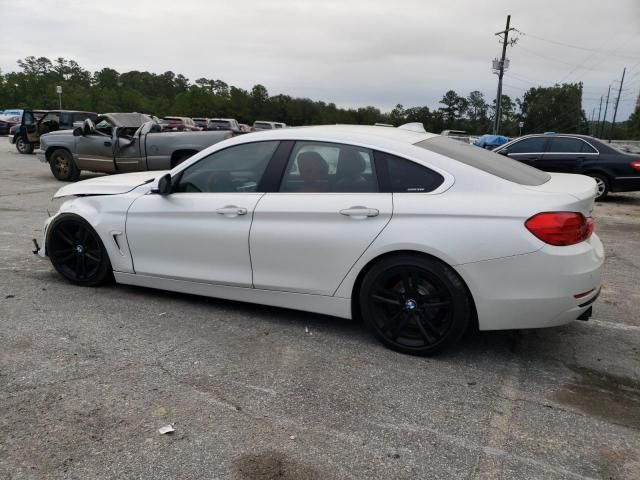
x: 23, y: 147
x: 62, y: 166
x: 415, y: 305
x: 76, y: 251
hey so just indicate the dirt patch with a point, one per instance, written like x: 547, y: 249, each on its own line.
x: 275, y: 465
x: 612, y: 398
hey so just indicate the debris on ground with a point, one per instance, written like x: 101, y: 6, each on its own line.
x: 166, y: 429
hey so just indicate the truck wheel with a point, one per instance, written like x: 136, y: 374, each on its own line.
x: 62, y: 166
x: 23, y: 147
x: 181, y: 157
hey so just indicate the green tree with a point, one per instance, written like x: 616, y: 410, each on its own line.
x: 557, y: 108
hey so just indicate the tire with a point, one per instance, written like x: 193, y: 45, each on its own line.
x: 415, y: 305
x: 603, y: 185
x: 62, y: 166
x: 76, y: 251
x: 23, y: 147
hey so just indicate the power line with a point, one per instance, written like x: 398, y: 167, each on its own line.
x: 577, y: 47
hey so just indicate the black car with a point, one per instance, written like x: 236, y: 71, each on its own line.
x: 38, y: 122
x: 612, y: 169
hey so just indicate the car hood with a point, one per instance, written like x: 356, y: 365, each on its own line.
x: 108, y: 184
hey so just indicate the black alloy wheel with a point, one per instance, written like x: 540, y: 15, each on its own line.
x: 415, y: 305
x: 62, y: 166
x: 76, y: 251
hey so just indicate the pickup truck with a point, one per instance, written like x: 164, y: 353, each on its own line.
x: 120, y: 143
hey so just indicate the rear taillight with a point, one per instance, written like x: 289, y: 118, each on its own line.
x: 635, y: 165
x: 560, y: 228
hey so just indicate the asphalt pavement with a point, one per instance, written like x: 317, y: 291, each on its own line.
x: 89, y: 375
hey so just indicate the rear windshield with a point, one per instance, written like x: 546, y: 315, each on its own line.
x: 485, y: 160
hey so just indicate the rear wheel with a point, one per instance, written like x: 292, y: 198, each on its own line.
x: 414, y: 305
x: 76, y: 251
x: 23, y: 147
x: 602, y: 184
x: 62, y: 166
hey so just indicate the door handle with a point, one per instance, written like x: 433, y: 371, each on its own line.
x: 107, y: 143
x: 231, y: 211
x: 359, y: 211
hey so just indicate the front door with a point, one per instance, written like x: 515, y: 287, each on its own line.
x: 200, y: 231
x: 528, y: 150
x: 128, y: 152
x: 94, y: 148
x: 307, y: 237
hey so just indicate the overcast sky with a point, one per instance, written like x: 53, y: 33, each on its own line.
x: 351, y: 52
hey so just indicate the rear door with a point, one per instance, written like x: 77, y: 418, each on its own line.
x: 328, y: 210
x: 567, y: 154
x: 528, y: 150
x: 29, y: 123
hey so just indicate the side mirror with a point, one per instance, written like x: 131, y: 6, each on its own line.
x: 164, y: 185
x: 77, y: 132
x: 504, y: 151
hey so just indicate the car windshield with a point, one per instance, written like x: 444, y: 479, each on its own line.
x: 485, y: 160
x: 220, y: 123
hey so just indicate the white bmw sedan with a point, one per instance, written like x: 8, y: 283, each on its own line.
x: 417, y: 234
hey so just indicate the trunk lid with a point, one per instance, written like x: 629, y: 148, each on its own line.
x: 580, y: 189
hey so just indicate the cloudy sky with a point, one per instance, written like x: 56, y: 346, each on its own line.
x: 351, y: 52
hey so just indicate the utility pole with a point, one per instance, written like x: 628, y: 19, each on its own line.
x: 500, y: 71
x: 593, y: 117
x: 604, y: 119
x: 615, y: 111
x: 595, y: 132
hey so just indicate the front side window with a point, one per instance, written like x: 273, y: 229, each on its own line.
x: 329, y: 167
x: 528, y: 145
x: 406, y: 176
x: 236, y: 169
x: 28, y: 118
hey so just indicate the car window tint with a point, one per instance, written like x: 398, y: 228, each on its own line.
x: 28, y: 118
x: 586, y: 148
x: 234, y: 169
x: 329, y: 167
x: 485, y: 160
x: 528, y: 145
x: 565, y: 145
x: 406, y: 176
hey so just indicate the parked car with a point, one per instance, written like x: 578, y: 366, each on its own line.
x: 229, y: 124
x: 9, y: 118
x: 425, y: 238
x: 262, y: 125
x: 459, y: 135
x: 119, y: 142
x: 490, y: 141
x: 179, y: 124
x: 612, y: 169
x: 201, y: 122
x: 36, y: 123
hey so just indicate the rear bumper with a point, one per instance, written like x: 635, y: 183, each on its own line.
x: 537, y: 289
x: 626, y: 184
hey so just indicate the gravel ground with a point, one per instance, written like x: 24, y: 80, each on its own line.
x: 89, y: 375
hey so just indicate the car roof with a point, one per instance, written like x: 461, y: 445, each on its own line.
x: 363, y: 134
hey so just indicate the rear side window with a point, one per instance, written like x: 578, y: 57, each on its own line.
x: 485, y: 160
x: 569, y: 145
x: 405, y: 176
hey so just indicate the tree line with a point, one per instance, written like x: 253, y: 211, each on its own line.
x: 557, y: 108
